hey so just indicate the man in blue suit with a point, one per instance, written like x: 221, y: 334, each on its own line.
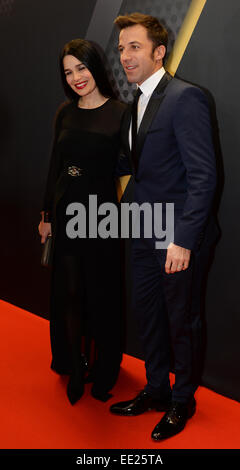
x: 169, y: 142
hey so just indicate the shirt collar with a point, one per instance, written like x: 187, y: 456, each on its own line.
x: 150, y: 84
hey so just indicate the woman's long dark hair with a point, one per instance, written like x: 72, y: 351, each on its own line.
x: 91, y: 55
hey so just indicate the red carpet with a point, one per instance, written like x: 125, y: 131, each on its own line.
x: 35, y: 413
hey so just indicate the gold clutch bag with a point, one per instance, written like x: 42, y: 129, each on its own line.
x: 46, y: 252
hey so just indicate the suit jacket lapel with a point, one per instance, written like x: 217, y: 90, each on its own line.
x: 151, y: 110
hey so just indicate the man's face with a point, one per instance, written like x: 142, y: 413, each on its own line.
x: 136, y: 54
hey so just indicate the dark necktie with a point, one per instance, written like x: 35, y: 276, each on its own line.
x: 135, y: 128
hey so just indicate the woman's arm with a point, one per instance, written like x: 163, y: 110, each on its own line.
x: 44, y: 227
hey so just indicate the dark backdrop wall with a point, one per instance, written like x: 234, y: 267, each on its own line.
x: 32, y: 34
x: 212, y: 61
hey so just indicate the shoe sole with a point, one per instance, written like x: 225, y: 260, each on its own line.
x: 159, y: 409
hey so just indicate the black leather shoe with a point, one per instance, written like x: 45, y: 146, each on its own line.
x: 174, y: 420
x: 62, y: 369
x: 138, y: 405
x: 75, y: 389
x: 75, y: 386
x: 101, y: 395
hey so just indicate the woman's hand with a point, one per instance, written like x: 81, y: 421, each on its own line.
x: 44, y: 229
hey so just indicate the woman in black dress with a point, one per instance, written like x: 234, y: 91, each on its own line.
x: 85, y: 293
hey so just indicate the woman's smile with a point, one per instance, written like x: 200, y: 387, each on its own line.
x: 81, y: 85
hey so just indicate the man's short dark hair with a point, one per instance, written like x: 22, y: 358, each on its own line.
x: 155, y: 30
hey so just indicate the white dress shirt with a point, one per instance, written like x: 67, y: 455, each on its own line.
x: 147, y: 89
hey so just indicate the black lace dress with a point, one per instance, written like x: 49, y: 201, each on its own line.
x: 86, y: 275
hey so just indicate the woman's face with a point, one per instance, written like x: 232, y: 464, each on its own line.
x: 78, y: 77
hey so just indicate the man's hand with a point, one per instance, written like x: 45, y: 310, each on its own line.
x: 177, y: 258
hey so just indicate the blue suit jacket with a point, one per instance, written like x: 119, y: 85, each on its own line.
x: 176, y: 158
